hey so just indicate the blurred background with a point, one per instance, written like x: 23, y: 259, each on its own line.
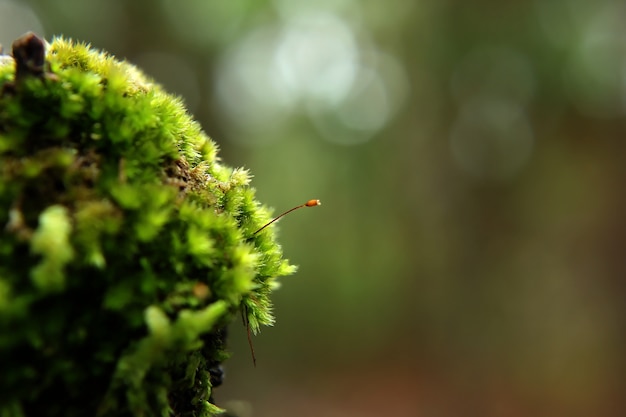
x: 468, y: 259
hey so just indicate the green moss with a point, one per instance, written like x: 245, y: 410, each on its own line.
x: 126, y: 245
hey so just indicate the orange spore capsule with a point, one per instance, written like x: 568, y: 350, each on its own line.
x: 312, y: 203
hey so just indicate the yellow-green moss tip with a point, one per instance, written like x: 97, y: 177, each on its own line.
x: 125, y: 246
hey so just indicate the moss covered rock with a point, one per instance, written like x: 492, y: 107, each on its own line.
x: 126, y: 247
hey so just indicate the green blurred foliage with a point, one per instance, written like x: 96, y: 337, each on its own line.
x: 468, y: 256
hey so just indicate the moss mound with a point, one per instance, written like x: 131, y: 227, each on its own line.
x: 126, y: 247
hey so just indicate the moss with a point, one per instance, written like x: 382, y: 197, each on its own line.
x: 127, y: 246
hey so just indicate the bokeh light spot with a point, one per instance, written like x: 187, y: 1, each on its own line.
x: 491, y: 139
x: 317, y: 57
x: 250, y: 93
x: 312, y: 64
x: 367, y: 106
x: 596, y: 75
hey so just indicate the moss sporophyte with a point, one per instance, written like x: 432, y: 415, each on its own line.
x: 126, y: 246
